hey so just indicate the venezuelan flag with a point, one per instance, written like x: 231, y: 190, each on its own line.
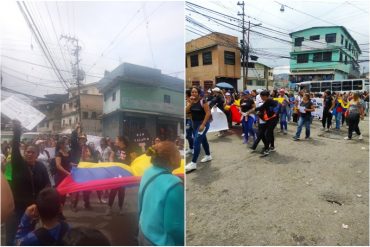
x: 107, y: 175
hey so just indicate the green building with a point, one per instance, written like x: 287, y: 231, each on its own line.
x: 142, y: 104
x: 324, y: 53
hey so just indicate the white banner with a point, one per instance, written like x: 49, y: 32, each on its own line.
x: 94, y: 139
x: 15, y: 108
x: 318, y: 103
x: 219, y: 121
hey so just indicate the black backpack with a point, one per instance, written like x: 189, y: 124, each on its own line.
x: 45, y: 239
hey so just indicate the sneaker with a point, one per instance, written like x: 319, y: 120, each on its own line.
x: 281, y: 131
x: 191, y: 167
x: 347, y: 138
x: 103, y: 201
x: 206, y: 159
x: 360, y: 137
x: 108, y: 211
x: 307, y: 138
x: 251, y: 150
x: 121, y: 211
x: 189, y: 151
x: 265, y: 153
x: 285, y: 132
x: 243, y: 134
x: 295, y: 138
x: 272, y: 149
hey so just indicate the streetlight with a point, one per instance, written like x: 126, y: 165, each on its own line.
x: 282, y: 8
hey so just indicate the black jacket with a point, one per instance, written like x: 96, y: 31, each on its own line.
x: 27, y: 180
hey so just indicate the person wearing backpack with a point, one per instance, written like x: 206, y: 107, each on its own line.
x: 47, y: 208
x: 161, y: 198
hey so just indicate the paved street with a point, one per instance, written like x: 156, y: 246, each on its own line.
x: 306, y: 193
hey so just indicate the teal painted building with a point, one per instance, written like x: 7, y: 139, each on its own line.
x: 324, y: 53
x: 142, y: 104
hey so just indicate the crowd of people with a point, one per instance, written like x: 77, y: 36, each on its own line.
x: 33, y: 174
x: 260, y: 112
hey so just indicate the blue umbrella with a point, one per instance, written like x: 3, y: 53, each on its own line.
x: 224, y: 85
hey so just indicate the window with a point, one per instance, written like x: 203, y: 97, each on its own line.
x: 84, y: 91
x: 251, y: 65
x: 341, y: 39
x: 357, y: 85
x: 302, y: 58
x: 194, y: 60
x: 315, y: 37
x: 167, y: 99
x: 345, y: 59
x: 207, y: 58
x: 70, y: 122
x: 349, y: 47
x: 70, y: 105
x: 347, y: 86
x: 260, y: 83
x: 315, y: 87
x: 64, y: 122
x: 326, y: 56
x: 76, y: 119
x: 325, y: 86
x: 346, y: 44
x: 249, y: 83
x: 229, y: 57
x: 64, y: 106
x: 93, y: 115
x: 85, y: 115
x: 317, y: 57
x: 298, y: 41
x: 341, y: 57
x: 331, y: 38
x: 337, y: 86
x: 195, y: 83
x: 208, y: 85
x: 114, y: 96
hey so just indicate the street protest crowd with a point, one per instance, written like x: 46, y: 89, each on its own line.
x: 35, y: 168
x: 261, y: 111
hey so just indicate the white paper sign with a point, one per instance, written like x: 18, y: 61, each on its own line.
x: 318, y: 103
x: 15, y: 108
x: 219, y: 120
x: 302, y: 109
x: 95, y: 139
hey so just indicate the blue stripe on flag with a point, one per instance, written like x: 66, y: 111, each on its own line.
x: 81, y: 175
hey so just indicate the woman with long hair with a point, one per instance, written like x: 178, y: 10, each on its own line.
x: 305, y: 108
x: 200, y: 115
x: 161, y: 198
x: 354, y: 113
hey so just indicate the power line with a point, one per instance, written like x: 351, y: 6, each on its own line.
x: 23, y: 73
x: 40, y: 40
x: 31, y: 82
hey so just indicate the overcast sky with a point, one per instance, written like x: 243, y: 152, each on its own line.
x: 354, y: 15
x: 144, y: 33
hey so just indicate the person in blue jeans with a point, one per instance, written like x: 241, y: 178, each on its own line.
x: 283, y: 111
x: 305, y: 108
x: 200, y: 115
x: 247, y: 107
x: 291, y: 106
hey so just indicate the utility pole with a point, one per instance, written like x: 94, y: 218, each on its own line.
x: 247, y: 55
x: 243, y: 48
x: 79, y: 75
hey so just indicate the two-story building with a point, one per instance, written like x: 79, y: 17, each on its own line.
x: 324, y: 53
x: 212, y: 59
x: 260, y: 76
x: 91, y: 110
x: 51, y: 106
x: 142, y: 103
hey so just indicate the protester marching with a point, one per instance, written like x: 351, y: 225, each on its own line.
x: 260, y: 111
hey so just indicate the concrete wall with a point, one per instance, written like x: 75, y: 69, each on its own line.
x: 110, y: 105
x: 145, y: 98
x: 216, y: 44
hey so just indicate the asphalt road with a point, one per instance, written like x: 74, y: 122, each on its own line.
x: 311, y: 192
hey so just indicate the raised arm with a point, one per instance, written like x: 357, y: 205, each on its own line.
x: 16, y: 159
